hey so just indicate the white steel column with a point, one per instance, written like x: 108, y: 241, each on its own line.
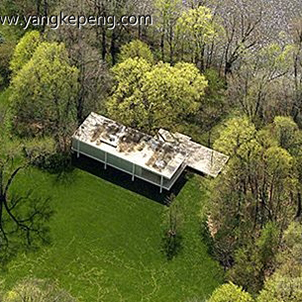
x: 161, y: 184
x: 133, y: 171
x: 105, y: 166
x: 78, y: 148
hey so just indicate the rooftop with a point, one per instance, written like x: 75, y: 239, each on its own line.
x: 200, y: 158
x: 141, y: 149
x: 162, y: 154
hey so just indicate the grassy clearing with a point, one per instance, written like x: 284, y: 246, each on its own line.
x: 106, y: 243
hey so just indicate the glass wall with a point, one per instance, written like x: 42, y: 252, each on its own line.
x: 126, y: 166
x: 168, y: 183
x: 120, y: 163
x: 154, y: 178
x: 88, y: 150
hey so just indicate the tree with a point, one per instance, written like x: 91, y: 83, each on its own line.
x: 290, y: 253
x: 197, y: 28
x: 286, y: 283
x: 288, y: 136
x: 124, y: 105
x: 255, y: 85
x: 237, y: 133
x: 168, y: 12
x: 44, y: 94
x: 242, y: 25
x: 82, y: 48
x: 213, y: 107
x: 110, y: 36
x: 172, y: 238
x: 136, y: 49
x: 23, y: 217
x: 25, y: 50
x: 296, y: 35
x: 230, y: 292
x: 6, y: 51
x: 281, y: 288
x: 285, y: 130
x: 149, y: 97
x: 252, y: 202
x: 256, y: 259
x: 27, y: 7
x: 37, y: 290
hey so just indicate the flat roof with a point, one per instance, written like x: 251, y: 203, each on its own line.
x: 200, y: 158
x: 162, y: 158
x: 162, y: 154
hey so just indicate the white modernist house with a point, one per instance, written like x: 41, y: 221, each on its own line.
x: 159, y: 160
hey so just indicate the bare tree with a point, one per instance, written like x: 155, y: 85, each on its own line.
x: 88, y: 56
x: 257, y: 86
x: 23, y: 216
x: 242, y: 28
x: 296, y: 35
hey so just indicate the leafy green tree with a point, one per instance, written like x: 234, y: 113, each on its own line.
x: 286, y: 283
x: 149, y: 97
x: 234, y: 137
x: 255, y: 258
x: 287, y: 135
x: 36, y: 290
x: 44, y: 94
x: 247, y: 269
x: 197, y: 27
x: 167, y: 13
x: 136, y: 49
x: 282, y: 288
x: 267, y: 244
x: 285, y: 130
x: 212, y: 110
x: 123, y: 105
x: 82, y: 46
x: 25, y: 50
x: 230, y: 293
x: 252, y: 202
x: 215, y: 106
x: 290, y: 254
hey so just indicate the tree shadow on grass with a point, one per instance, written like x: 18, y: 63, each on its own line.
x: 59, y: 165
x: 24, y: 227
x: 124, y: 180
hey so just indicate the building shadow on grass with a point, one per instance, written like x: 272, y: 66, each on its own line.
x: 124, y: 180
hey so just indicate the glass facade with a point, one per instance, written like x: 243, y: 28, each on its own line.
x: 126, y: 166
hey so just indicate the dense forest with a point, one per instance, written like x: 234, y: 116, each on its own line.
x: 226, y: 72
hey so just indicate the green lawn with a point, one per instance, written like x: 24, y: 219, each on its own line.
x: 106, y: 243
x: 106, y: 240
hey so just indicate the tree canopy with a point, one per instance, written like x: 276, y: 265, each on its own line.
x: 230, y: 292
x: 150, y: 97
x: 44, y: 93
x: 25, y: 50
x: 136, y: 49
